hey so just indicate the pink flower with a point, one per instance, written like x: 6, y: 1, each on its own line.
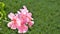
x: 25, y: 15
x: 14, y: 21
x: 20, y: 20
x: 23, y: 28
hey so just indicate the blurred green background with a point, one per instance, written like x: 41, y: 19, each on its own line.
x: 46, y: 14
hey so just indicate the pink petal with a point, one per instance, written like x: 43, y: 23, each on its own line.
x: 24, y: 10
x: 9, y: 24
x: 18, y: 22
x: 29, y: 14
x: 18, y: 12
x: 11, y: 15
x: 24, y: 7
x: 13, y: 26
x: 31, y: 23
x: 22, y: 29
x: 28, y: 19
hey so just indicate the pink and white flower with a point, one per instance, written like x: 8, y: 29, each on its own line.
x: 20, y: 20
x: 14, y: 21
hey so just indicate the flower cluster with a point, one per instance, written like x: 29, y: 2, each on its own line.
x: 21, y: 20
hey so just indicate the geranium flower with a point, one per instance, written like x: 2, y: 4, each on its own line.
x: 14, y: 21
x: 26, y: 16
x: 20, y: 20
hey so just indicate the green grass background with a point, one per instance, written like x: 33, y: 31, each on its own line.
x: 46, y: 14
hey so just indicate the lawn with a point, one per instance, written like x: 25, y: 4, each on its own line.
x: 46, y: 14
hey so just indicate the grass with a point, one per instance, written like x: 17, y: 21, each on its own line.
x: 46, y: 14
